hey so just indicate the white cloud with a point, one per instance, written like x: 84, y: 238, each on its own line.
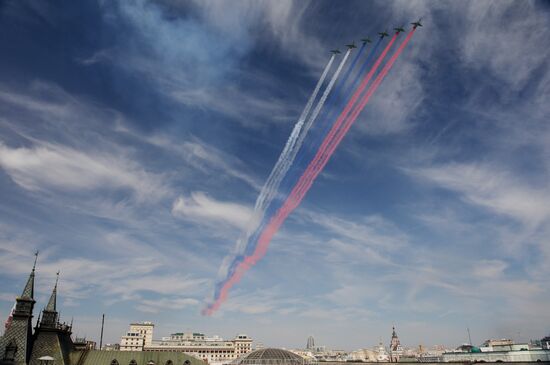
x: 48, y: 166
x: 491, y: 188
x: 200, y: 207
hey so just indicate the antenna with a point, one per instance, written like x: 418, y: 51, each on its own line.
x: 469, y: 337
x: 101, y: 337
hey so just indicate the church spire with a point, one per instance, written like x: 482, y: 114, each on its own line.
x: 28, y: 291
x: 52, y: 303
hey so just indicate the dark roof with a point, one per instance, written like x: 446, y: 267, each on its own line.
x: 101, y: 357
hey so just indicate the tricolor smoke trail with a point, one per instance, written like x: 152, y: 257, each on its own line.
x: 329, y: 145
x: 279, y: 170
x: 263, y: 198
x: 322, y: 126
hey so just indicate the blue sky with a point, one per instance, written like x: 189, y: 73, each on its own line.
x: 134, y: 138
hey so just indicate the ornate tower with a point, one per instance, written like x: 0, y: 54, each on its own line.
x: 395, y: 347
x: 51, y: 338
x: 16, y: 343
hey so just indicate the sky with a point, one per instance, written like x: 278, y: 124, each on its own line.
x: 135, y: 136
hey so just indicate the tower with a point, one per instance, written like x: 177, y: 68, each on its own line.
x: 51, y: 337
x: 310, y: 343
x: 395, y: 347
x: 16, y: 343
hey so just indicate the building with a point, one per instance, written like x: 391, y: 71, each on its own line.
x: 214, y: 350
x: 139, y: 335
x: 310, y: 343
x: 51, y: 341
x: 396, y: 351
x: 497, y: 351
x: 381, y: 354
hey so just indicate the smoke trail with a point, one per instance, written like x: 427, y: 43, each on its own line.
x: 322, y: 124
x: 309, y: 176
x: 277, y: 175
x: 263, y: 198
x: 325, y: 125
x: 289, y: 157
x: 322, y: 157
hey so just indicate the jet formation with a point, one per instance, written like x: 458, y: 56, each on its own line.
x: 383, y: 34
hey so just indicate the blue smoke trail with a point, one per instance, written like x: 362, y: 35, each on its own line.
x: 318, y: 137
x: 332, y: 105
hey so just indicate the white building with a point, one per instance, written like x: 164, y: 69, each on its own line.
x: 138, y: 336
x: 214, y: 350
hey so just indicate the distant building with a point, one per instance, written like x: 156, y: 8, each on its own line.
x: 381, y: 354
x: 139, y: 335
x: 310, y: 343
x: 396, y: 351
x: 214, y: 350
x: 111, y: 347
x: 497, y: 351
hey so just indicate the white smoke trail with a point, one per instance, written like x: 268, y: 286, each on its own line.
x: 289, y: 157
x: 273, y: 181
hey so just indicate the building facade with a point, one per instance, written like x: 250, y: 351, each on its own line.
x: 214, y: 350
x: 139, y: 336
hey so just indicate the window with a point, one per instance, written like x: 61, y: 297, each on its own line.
x: 11, y: 349
x: 133, y: 362
x: 169, y: 362
x: 114, y: 362
x: 187, y: 362
x: 151, y: 362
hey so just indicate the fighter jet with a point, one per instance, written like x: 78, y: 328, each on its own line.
x: 335, y: 51
x: 351, y: 45
x: 366, y: 40
x: 384, y: 34
x: 417, y: 24
x: 399, y: 29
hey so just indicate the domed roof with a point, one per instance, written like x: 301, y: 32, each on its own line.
x: 272, y: 356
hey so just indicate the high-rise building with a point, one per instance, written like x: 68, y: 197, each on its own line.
x: 310, y: 343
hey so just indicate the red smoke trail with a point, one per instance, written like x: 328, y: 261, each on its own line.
x: 324, y: 153
x: 332, y: 140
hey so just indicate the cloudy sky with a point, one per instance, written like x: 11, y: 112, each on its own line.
x: 134, y: 138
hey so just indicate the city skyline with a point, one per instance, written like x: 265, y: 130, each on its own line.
x: 135, y: 136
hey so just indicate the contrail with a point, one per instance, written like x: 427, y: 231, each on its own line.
x: 317, y: 164
x: 323, y: 156
x: 276, y: 177
x: 323, y: 123
x: 261, y: 201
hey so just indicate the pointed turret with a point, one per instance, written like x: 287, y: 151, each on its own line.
x: 16, y: 343
x: 28, y: 291
x: 52, y: 307
x: 49, y: 314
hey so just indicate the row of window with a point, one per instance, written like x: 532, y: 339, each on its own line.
x: 150, y: 362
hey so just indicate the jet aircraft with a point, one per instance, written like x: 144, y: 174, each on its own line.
x: 417, y: 23
x: 335, y: 51
x: 384, y: 34
x: 351, y: 45
x: 366, y: 40
x: 399, y: 29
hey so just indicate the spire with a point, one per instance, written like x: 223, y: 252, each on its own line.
x: 51, y: 307
x: 28, y: 292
